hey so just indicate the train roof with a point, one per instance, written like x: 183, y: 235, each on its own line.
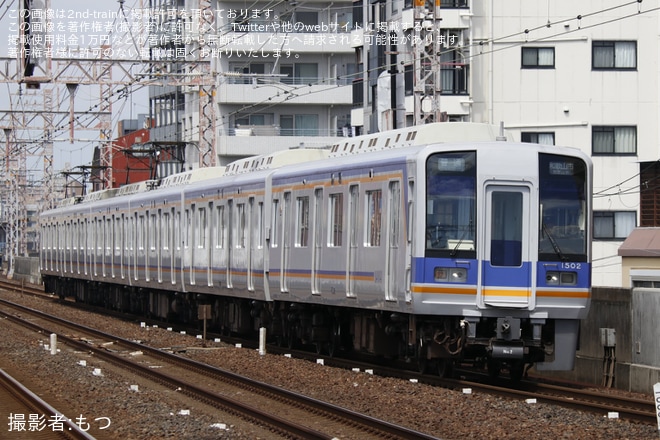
x: 274, y: 160
x: 435, y: 133
x: 192, y: 176
x: 438, y: 132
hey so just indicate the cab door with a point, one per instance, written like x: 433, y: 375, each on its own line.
x: 506, y: 268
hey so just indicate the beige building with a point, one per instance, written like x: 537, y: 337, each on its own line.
x: 640, y: 255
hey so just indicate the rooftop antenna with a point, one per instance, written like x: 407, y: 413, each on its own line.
x: 501, y: 137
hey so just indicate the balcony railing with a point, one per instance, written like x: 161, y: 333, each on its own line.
x: 276, y: 130
x: 294, y: 81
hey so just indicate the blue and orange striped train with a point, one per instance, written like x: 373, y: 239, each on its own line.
x: 437, y: 243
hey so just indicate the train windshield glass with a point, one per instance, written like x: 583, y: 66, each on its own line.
x: 563, y: 215
x: 450, y: 204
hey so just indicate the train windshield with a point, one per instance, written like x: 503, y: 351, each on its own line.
x: 563, y: 216
x: 450, y: 204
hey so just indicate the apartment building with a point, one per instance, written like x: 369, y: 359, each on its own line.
x: 281, y: 72
x: 579, y: 74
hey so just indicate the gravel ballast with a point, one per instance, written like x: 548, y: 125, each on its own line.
x: 154, y: 412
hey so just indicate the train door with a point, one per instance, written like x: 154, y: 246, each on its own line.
x: 208, y: 243
x: 122, y: 245
x: 135, y: 247
x: 286, y: 242
x: 317, y: 238
x: 98, y: 245
x: 116, y: 245
x: 171, y: 243
x: 176, y: 245
x: 104, y: 244
x: 393, y: 231
x: 230, y: 240
x: 353, y: 219
x: 506, y: 272
x: 149, y: 247
x: 159, y: 233
x: 192, y: 219
x: 249, y: 228
x: 410, y: 233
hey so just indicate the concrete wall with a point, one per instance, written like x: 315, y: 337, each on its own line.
x: 27, y: 268
x: 633, y: 314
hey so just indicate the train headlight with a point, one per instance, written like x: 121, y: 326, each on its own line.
x: 458, y: 275
x: 552, y: 278
x: 561, y: 278
x: 450, y: 274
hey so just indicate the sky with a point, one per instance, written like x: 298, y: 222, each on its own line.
x: 81, y: 24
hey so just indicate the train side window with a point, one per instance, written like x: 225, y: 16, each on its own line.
x: 186, y: 229
x: 131, y: 232
x: 152, y: 231
x: 336, y: 219
x: 240, y: 225
x: 354, y: 195
x: 89, y: 226
x: 118, y: 236
x: 395, y: 212
x: 109, y: 229
x: 260, y: 225
x: 141, y: 230
x: 221, y: 227
x: 302, y: 221
x: 318, y: 218
x: 167, y: 228
x: 201, y: 227
x: 373, y: 217
x: 177, y: 231
x: 275, y: 229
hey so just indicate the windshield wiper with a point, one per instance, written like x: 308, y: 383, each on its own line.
x: 460, y: 240
x: 553, y: 242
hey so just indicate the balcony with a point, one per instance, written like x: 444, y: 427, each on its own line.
x: 300, y: 90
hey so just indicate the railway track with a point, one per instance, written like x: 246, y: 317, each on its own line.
x: 628, y: 408
x: 288, y: 414
x: 20, y: 404
x: 582, y: 399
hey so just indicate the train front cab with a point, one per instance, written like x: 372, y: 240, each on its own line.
x: 506, y: 268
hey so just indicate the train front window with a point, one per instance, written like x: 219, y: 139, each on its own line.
x: 563, y: 208
x: 451, y: 204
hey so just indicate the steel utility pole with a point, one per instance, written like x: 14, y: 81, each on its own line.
x: 44, y: 72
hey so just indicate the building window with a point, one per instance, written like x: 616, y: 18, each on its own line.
x: 613, y: 140
x: 299, y: 125
x: 300, y: 73
x: 649, y: 193
x: 614, y: 225
x: 614, y: 55
x: 538, y: 57
x: 533, y: 137
x: 409, y: 79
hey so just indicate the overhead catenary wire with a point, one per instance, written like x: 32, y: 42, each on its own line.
x: 293, y: 92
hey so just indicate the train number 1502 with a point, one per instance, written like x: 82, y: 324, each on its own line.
x: 574, y: 266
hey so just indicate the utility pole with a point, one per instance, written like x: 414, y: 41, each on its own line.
x: 427, y: 86
x: 45, y: 73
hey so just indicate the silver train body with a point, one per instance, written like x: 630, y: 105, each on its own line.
x: 424, y: 243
